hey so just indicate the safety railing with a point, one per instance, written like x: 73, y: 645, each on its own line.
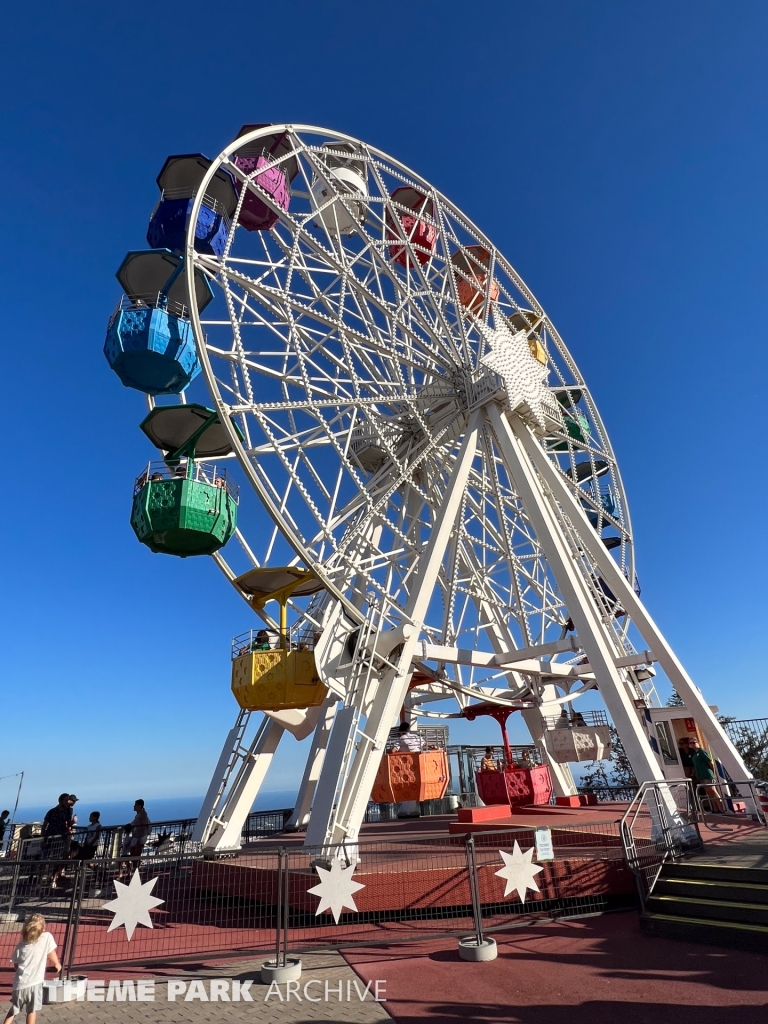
x: 434, y: 737
x: 260, y: 824
x: 740, y: 799
x: 164, y: 838
x: 610, y: 794
x: 150, y: 300
x: 28, y: 887
x: 202, y: 472
x: 661, y: 822
x: 184, y: 192
x: 411, y: 890
x: 577, y: 720
x: 583, y: 871
x: 296, y: 638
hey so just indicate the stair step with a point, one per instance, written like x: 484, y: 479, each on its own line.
x: 705, y: 888
x: 710, y: 910
x: 715, y: 872
x: 716, y: 933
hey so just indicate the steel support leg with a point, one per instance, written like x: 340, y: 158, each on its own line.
x: 580, y: 603
x: 313, y: 767
x: 342, y: 822
x: 228, y: 822
x: 220, y: 778
x: 650, y: 632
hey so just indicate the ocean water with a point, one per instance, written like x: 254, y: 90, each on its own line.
x: 120, y: 812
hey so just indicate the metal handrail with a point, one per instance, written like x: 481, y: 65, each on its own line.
x: 202, y: 472
x: 668, y: 838
x: 297, y: 637
x: 728, y: 790
x: 578, y: 720
x: 150, y: 300
x: 189, y: 192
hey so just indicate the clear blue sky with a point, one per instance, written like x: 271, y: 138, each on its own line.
x: 619, y: 155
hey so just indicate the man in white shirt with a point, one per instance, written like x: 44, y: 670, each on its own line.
x: 409, y: 738
x: 409, y: 741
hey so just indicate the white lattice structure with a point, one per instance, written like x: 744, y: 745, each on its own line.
x: 435, y: 460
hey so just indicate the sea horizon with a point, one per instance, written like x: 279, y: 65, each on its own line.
x: 119, y: 812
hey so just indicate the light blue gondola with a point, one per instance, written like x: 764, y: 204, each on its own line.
x: 149, y: 343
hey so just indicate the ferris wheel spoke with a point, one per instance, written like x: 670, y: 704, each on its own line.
x: 278, y: 303
x: 440, y: 325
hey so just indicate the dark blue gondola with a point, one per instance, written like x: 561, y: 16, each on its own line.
x: 178, y: 182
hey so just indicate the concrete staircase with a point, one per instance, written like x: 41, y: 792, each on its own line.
x: 725, y: 905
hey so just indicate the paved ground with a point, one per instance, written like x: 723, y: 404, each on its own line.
x: 571, y: 972
x: 344, y: 1002
x: 739, y: 847
x: 594, y: 970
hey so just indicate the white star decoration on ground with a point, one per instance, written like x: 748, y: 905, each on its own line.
x: 524, y: 377
x: 518, y: 871
x: 335, y: 889
x: 132, y: 905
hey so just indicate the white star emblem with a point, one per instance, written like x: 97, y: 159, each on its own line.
x: 509, y: 356
x: 132, y: 905
x: 518, y: 871
x: 335, y: 889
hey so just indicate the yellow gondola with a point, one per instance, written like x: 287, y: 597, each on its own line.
x: 283, y: 676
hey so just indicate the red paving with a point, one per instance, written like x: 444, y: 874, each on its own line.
x: 599, y: 970
x: 591, y: 971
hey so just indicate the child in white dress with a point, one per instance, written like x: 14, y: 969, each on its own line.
x: 31, y: 957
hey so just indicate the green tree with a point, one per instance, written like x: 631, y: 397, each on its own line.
x: 675, y: 701
x: 616, y: 771
x: 751, y: 740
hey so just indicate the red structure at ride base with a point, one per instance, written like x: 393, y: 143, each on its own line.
x: 513, y: 786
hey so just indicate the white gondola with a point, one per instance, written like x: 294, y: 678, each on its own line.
x: 341, y: 175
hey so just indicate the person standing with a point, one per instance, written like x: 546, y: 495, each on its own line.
x: 3, y: 826
x: 704, y: 769
x: 686, y: 759
x: 57, y: 829
x: 139, y: 830
x: 72, y: 800
x: 32, y: 955
x: 409, y: 740
x: 92, y: 836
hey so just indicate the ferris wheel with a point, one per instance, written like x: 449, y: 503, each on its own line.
x: 440, y: 513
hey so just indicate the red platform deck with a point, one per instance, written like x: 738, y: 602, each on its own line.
x: 421, y: 864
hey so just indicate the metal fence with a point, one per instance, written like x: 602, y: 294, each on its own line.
x: 23, y: 840
x: 738, y: 799
x: 610, y: 794
x: 750, y: 737
x: 661, y: 822
x: 261, y: 901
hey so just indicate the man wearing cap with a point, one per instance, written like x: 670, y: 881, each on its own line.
x: 57, y: 828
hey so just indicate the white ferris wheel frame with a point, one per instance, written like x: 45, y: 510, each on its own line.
x: 369, y: 694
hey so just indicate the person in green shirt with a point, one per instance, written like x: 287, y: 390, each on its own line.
x: 704, y: 768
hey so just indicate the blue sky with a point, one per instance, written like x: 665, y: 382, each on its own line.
x: 616, y: 154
